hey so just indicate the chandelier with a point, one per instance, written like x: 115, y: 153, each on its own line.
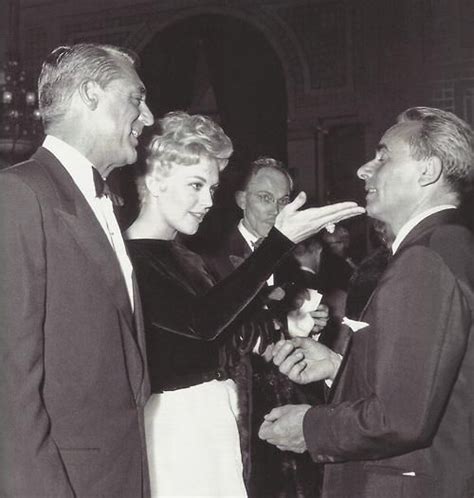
x: 20, y: 123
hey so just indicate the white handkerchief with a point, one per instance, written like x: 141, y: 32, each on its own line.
x: 300, y: 325
x: 354, y: 325
x: 300, y: 322
x: 312, y: 302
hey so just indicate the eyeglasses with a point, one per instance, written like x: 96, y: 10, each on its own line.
x: 267, y: 199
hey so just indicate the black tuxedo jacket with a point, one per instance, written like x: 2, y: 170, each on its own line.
x: 233, y: 250
x: 73, y: 379
x: 400, y: 423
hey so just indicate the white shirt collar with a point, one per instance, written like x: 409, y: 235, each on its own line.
x: 410, y: 224
x: 78, y: 166
x: 249, y: 237
x: 308, y: 269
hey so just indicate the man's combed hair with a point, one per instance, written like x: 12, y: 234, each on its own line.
x: 445, y: 136
x: 66, y: 67
x: 185, y: 139
x: 265, y: 162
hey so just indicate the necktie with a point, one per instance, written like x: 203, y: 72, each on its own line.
x: 256, y: 243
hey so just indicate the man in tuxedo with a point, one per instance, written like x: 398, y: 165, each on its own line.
x: 400, y: 417
x: 73, y: 380
x: 265, y: 191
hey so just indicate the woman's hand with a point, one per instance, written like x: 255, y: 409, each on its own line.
x: 299, y: 225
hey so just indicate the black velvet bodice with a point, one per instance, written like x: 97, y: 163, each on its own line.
x: 192, y: 325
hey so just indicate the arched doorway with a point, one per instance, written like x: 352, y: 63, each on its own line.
x: 242, y: 71
x: 223, y: 67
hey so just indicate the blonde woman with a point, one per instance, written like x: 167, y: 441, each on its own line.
x: 192, y: 326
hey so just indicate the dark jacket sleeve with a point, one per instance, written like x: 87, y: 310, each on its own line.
x: 206, y: 316
x: 30, y: 464
x: 418, y: 339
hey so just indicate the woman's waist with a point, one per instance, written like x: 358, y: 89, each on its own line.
x: 173, y: 380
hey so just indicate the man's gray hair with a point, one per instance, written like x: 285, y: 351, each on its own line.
x: 445, y: 136
x: 67, y: 66
x: 265, y: 162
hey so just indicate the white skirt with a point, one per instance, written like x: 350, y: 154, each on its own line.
x: 193, y: 442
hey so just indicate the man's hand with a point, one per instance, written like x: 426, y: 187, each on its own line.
x: 283, y: 427
x: 320, y: 316
x: 299, y: 225
x: 304, y: 360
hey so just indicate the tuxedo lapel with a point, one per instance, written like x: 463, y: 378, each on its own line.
x: 427, y: 225
x: 83, y: 225
x: 238, y: 249
x: 144, y: 386
x: 420, y: 230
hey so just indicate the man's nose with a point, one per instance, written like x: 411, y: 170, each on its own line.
x: 279, y: 207
x: 273, y: 208
x: 365, y: 171
x: 145, y: 115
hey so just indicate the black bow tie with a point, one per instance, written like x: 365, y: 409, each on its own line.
x: 102, y: 188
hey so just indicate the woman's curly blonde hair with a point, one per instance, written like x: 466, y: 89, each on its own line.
x: 185, y: 139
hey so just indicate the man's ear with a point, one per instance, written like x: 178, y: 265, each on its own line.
x: 89, y: 93
x: 240, y: 198
x: 431, y: 171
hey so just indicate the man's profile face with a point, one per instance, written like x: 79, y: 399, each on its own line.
x: 392, y: 177
x: 266, y: 194
x: 122, y: 114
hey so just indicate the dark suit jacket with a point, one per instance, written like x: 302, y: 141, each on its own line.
x: 232, y: 251
x: 404, y: 402
x: 73, y: 381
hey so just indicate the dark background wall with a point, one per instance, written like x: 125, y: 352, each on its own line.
x: 313, y: 82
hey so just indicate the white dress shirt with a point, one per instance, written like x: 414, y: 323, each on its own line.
x: 411, y: 224
x: 251, y: 239
x: 80, y: 169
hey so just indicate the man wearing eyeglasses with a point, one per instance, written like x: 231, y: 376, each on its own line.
x: 264, y: 192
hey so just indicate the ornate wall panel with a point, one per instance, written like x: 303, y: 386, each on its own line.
x: 322, y: 32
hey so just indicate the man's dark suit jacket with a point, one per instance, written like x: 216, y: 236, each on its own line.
x: 233, y: 250
x: 401, y: 419
x: 73, y: 381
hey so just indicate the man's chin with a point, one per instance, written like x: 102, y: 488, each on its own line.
x: 374, y: 213
x: 132, y: 158
x: 267, y: 229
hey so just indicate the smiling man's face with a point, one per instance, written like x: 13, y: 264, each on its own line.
x: 392, y: 177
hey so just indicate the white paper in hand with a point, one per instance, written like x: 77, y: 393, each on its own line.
x: 300, y: 322
x: 312, y: 302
